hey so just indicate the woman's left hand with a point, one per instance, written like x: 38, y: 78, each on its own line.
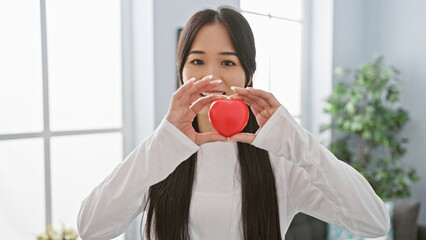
x: 263, y: 105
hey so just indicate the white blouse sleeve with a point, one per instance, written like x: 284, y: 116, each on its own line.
x: 115, y: 202
x: 318, y: 183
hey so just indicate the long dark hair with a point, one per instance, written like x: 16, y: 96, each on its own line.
x: 170, y: 199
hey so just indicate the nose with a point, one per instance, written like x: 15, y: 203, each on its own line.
x: 215, y: 71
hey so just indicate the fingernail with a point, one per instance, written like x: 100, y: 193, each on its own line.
x: 233, y: 88
x: 206, y: 77
x: 189, y: 81
x: 216, y: 81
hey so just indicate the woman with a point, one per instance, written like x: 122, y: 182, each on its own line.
x: 191, y: 182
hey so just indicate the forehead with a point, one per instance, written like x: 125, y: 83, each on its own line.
x: 213, y: 37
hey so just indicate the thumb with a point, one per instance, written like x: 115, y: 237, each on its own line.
x: 243, y: 137
x: 209, y: 137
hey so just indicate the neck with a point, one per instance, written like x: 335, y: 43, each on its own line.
x: 204, y: 124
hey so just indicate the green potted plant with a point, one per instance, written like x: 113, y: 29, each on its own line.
x: 366, y: 126
x: 64, y: 234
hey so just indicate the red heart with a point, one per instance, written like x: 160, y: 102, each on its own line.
x: 228, y: 117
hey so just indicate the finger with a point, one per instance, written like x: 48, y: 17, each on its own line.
x: 188, y: 88
x: 255, y: 111
x: 243, y: 137
x: 200, y: 84
x: 202, y: 138
x: 204, y: 84
x: 254, y: 108
x: 205, y: 88
x: 203, y: 101
x: 269, y: 97
x: 250, y: 102
x: 185, y: 87
x: 247, y: 93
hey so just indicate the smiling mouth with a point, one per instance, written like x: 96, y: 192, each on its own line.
x: 211, y: 93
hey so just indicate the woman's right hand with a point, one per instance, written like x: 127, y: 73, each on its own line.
x: 183, y: 109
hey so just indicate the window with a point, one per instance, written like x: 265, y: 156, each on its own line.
x: 61, y: 114
x: 277, y: 27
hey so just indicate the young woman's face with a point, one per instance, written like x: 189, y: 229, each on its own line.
x: 212, y: 53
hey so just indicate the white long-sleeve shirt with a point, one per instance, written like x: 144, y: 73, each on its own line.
x: 309, y: 179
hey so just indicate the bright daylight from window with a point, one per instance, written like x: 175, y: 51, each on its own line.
x: 51, y: 141
x: 277, y: 27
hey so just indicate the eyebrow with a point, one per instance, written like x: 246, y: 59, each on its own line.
x: 222, y: 53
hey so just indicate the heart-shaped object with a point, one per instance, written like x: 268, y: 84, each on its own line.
x: 228, y: 117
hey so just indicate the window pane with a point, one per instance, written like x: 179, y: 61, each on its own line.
x: 22, y: 201
x: 286, y: 63
x: 84, y: 64
x: 291, y: 9
x: 21, y: 101
x: 255, y: 6
x: 260, y: 27
x: 278, y: 50
x: 79, y: 164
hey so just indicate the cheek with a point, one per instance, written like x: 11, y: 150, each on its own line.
x: 236, y: 79
x: 189, y: 72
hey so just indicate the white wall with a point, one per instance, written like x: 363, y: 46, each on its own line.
x: 138, y: 57
x: 401, y: 35
x: 320, y: 69
x: 395, y: 29
x: 348, y: 49
x: 168, y: 17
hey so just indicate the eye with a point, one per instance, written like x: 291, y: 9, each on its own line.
x: 197, y: 62
x: 228, y: 63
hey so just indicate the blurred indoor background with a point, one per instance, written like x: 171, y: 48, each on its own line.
x: 83, y: 82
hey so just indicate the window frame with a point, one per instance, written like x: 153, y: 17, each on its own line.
x: 127, y: 113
